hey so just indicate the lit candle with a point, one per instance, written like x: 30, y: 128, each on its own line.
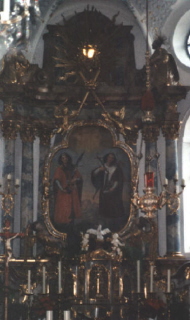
x: 168, y: 280
x: 138, y: 277
x: 29, y: 281
x: 49, y: 315
x: 43, y: 279
x: 67, y: 315
x: 59, y: 277
x: 151, y: 278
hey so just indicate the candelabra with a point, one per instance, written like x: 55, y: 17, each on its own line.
x: 151, y: 202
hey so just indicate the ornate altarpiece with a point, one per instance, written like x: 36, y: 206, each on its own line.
x: 89, y: 106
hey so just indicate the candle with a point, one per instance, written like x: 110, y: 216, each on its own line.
x: 138, y: 277
x: 17, y: 182
x: 67, y: 315
x: 166, y: 182
x: 151, y: 278
x: 145, y: 291
x: 43, y: 279
x: 29, y: 281
x: 49, y: 315
x: 96, y: 312
x: 168, y: 280
x: 9, y: 176
x: 183, y: 182
x: 176, y: 176
x: 59, y: 277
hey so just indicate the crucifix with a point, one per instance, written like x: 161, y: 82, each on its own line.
x: 8, y: 237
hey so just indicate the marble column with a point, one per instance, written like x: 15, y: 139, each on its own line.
x: 170, y: 131
x: 17, y: 211
x: 27, y: 135
x: 9, y: 133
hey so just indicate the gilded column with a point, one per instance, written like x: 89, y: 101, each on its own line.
x: 9, y: 132
x: 170, y: 129
x: 44, y: 134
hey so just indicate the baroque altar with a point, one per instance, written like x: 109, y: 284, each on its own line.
x: 92, y: 251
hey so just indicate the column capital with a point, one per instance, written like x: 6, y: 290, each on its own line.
x: 171, y: 126
x: 27, y: 132
x: 150, y: 132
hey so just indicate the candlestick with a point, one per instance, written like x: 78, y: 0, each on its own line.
x: 138, y: 277
x: 49, y: 315
x: 67, y: 314
x: 168, y: 280
x: 59, y: 277
x: 151, y: 278
x: 29, y: 281
x: 43, y: 279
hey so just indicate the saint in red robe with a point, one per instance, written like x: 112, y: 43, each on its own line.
x: 68, y: 185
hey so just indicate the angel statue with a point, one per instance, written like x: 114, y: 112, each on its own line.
x: 85, y: 242
x: 99, y: 233
x: 116, y: 244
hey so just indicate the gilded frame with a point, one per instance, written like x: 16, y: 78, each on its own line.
x: 65, y: 145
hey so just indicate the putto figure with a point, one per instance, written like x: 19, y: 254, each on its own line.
x: 108, y: 180
x: 68, y: 190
